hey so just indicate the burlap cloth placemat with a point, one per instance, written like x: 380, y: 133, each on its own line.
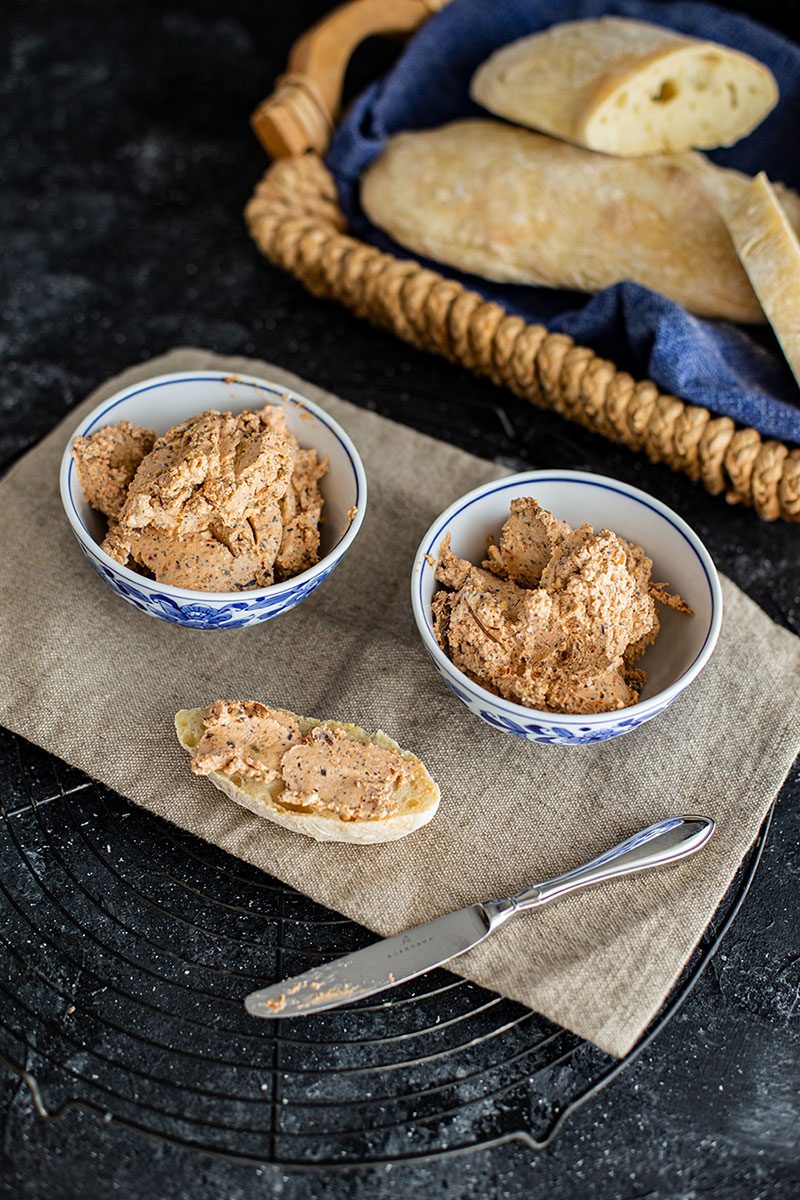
x: 97, y: 683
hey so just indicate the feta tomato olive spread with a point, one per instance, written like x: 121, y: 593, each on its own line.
x: 555, y: 618
x: 327, y: 768
x: 220, y: 503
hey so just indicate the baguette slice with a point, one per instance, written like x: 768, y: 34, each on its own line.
x: 627, y: 87
x: 519, y: 207
x: 417, y: 802
x: 770, y: 254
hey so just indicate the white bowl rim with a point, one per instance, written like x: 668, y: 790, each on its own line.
x: 642, y: 707
x: 205, y: 376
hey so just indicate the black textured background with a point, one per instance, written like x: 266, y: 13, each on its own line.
x: 126, y: 163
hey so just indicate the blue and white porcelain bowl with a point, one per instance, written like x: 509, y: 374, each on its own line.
x: 683, y: 646
x: 164, y: 401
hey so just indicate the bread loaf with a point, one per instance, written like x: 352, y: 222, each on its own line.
x: 627, y: 87
x: 519, y: 207
x: 770, y: 253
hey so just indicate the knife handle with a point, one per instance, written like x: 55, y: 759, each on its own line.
x: 665, y: 842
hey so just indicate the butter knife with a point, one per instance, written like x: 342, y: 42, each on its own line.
x: 402, y: 957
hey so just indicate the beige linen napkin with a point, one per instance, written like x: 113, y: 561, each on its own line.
x: 96, y: 682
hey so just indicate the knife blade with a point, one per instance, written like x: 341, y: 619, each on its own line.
x: 375, y: 968
x: 402, y: 957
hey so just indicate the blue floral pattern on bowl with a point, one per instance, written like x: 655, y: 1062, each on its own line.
x: 227, y: 614
x: 563, y: 735
x: 536, y: 731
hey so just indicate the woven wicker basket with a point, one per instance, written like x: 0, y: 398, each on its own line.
x: 297, y: 222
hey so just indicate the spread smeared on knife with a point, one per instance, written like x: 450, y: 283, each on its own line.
x: 555, y: 618
x: 221, y: 502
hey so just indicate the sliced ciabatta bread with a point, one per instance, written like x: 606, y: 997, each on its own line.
x: 769, y: 250
x: 626, y: 87
x: 326, y: 779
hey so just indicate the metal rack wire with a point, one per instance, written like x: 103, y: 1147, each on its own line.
x: 127, y: 947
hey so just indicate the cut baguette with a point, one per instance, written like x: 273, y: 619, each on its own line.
x: 417, y: 802
x: 520, y: 207
x: 627, y: 87
x: 770, y: 254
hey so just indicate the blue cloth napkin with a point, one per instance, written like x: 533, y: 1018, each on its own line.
x: 727, y: 368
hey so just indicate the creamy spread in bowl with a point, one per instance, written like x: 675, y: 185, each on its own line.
x: 220, y: 502
x: 554, y: 618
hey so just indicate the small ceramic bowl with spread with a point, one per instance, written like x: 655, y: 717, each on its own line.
x: 166, y: 400
x: 679, y: 653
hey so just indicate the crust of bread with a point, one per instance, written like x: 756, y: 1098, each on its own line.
x: 770, y: 252
x: 418, y: 804
x: 627, y: 87
x: 519, y: 207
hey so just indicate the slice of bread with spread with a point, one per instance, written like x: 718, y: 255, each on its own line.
x: 326, y: 779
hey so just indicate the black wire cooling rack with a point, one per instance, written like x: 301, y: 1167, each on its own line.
x: 128, y: 948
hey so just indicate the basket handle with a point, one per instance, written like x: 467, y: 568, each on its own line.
x: 300, y: 113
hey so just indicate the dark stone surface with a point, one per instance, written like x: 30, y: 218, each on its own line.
x: 127, y: 161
